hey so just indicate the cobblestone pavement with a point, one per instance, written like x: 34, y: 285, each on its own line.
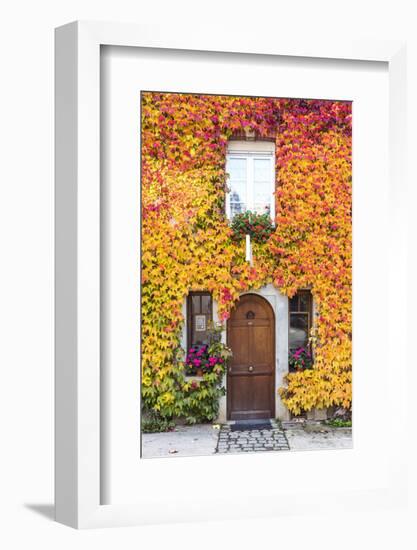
x: 252, y: 440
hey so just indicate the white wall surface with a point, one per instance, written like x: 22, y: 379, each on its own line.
x: 26, y: 274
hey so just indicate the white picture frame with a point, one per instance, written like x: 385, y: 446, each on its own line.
x: 77, y: 240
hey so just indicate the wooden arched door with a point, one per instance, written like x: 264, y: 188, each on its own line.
x: 251, y: 373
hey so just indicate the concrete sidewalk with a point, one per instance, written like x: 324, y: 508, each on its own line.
x: 313, y: 436
x: 197, y: 440
x: 202, y: 439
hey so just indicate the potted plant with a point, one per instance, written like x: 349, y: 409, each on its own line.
x: 196, y: 358
x: 300, y: 359
x: 208, y: 358
x: 204, y: 359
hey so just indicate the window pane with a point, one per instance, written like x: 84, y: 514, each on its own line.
x: 236, y: 168
x: 262, y: 170
x: 262, y: 208
x: 200, y: 317
x: 237, y: 208
x: 206, y: 304
x: 237, y: 191
x: 200, y: 330
x: 294, y: 303
x: 262, y: 197
x: 298, y: 333
x: 262, y: 189
x: 262, y: 186
x: 195, y: 304
x: 304, y: 301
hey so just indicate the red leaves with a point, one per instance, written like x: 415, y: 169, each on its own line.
x: 186, y: 242
x: 225, y: 296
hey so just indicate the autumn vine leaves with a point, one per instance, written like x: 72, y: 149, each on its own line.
x: 187, y: 243
x: 313, y: 242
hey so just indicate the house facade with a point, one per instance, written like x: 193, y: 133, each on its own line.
x: 206, y: 160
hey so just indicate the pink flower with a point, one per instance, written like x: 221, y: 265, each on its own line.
x: 197, y: 362
x: 298, y: 352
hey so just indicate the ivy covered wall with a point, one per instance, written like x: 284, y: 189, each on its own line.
x: 187, y: 243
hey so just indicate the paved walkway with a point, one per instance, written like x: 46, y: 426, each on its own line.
x: 197, y: 440
x: 205, y: 439
x: 314, y: 436
x: 241, y: 438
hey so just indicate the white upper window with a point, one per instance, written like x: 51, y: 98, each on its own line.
x: 251, y: 170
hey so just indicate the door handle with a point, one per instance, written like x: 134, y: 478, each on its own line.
x: 250, y: 369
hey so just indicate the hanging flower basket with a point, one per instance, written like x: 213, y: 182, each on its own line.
x: 258, y: 226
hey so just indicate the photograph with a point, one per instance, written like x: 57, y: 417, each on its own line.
x: 246, y: 274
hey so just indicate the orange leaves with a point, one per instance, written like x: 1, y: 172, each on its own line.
x: 187, y: 245
x: 312, y: 243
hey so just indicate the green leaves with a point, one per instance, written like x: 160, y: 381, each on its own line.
x: 258, y: 226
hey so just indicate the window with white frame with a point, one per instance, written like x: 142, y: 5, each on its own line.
x: 251, y: 182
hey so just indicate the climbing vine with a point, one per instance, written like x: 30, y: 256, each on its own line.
x: 188, y: 245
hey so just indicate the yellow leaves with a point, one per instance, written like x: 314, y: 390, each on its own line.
x: 146, y: 380
x: 166, y: 398
x: 186, y: 242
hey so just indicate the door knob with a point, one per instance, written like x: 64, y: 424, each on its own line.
x: 250, y: 369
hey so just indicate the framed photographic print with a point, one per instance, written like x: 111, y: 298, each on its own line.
x: 247, y: 228
x: 226, y: 266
